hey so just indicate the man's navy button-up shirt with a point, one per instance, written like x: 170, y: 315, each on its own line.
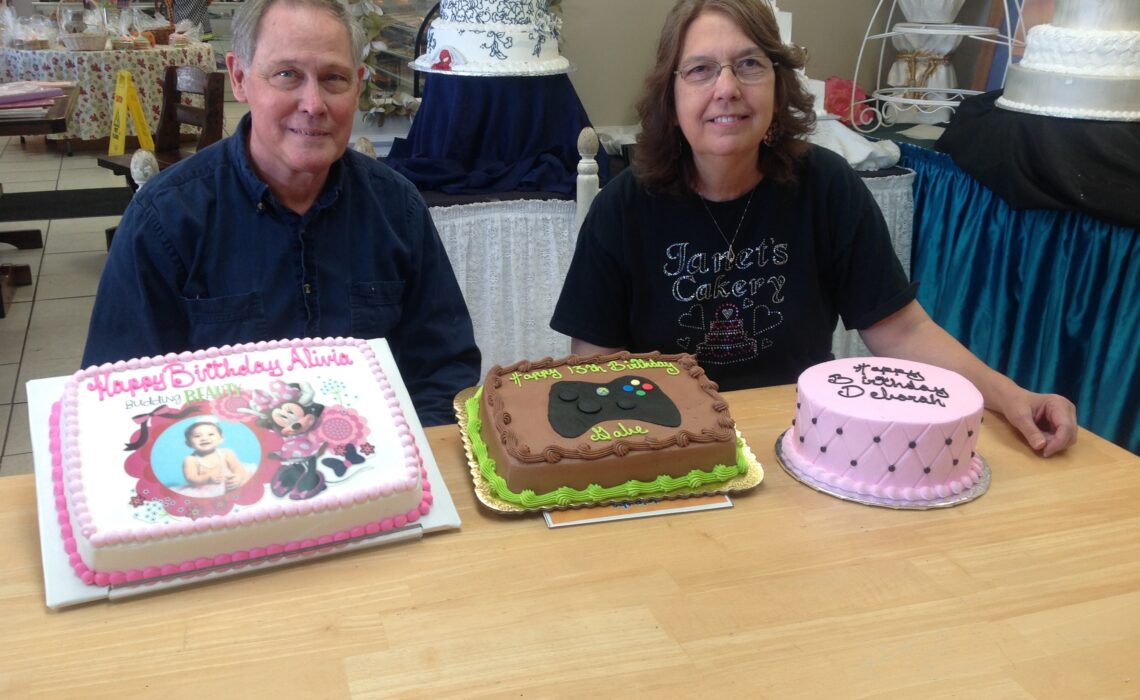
x: 205, y: 256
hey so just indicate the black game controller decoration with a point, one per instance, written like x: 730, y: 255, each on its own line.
x: 575, y: 407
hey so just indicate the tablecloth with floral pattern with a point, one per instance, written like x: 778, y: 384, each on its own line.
x: 95, y: 73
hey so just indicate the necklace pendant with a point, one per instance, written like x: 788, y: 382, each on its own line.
x: 730, y: 253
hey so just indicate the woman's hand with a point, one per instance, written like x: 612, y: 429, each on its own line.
x: 1047, y: 421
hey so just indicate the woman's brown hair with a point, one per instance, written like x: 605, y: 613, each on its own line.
x: 663, y: 161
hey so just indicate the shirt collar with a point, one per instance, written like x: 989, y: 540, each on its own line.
x: 258, y: 190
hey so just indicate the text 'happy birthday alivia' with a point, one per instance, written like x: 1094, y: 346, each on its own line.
x: 180, y: 375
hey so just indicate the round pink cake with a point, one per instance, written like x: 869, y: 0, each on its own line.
x: 886, y: 429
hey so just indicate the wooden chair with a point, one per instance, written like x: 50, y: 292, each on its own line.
x: 179, y: 81
x: 587, y: 181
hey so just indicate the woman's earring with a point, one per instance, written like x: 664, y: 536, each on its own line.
x: 773, y: 136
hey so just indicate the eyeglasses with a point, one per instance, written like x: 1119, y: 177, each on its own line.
x: 748, y: 70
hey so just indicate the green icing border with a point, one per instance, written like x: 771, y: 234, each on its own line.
x: 566, y: 496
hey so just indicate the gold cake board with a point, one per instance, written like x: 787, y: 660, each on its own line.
x: 740, y: 483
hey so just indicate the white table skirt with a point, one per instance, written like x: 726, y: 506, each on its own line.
x: 895, y: 196
x: 510, y: 259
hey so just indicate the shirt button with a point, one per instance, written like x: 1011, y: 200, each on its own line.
x: 261, y: 206
x: 308, y: 288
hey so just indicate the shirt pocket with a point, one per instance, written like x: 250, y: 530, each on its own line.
x: 216, y: 321
x: 375, y: 308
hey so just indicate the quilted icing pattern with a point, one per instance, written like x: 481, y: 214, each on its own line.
x: 890, y: 459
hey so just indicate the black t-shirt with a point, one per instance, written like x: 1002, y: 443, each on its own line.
x: 652, y: 272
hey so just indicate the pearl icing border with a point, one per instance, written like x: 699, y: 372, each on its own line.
x: 1114, y: 115
x: 64, y: 450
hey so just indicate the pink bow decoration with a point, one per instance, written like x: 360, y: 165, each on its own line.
x: 837, y: 101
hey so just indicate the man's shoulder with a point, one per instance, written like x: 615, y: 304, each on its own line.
x: 375, y: 186
x: 174, y: 206
x: 377, y: 171
x: 192, y: 175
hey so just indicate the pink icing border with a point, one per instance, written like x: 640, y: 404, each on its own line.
x: 915, y: 494
x: 63, y: 441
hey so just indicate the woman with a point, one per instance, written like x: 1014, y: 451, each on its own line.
x: 732, y: 238
x: 196, y: 11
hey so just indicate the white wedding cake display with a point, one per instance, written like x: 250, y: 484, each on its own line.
x: 493, y: 38
x: 1084, y: 64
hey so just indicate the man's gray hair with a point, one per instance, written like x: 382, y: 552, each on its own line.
x: 247, y: 25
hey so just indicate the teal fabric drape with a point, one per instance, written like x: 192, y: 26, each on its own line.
x: 1050, y: 298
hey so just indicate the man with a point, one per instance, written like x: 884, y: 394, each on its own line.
x: 279, y: 231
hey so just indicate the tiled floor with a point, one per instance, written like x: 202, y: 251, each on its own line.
x: 45, y: 330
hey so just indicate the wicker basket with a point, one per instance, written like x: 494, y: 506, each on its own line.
x: 29, y: 44
x: 161, y: 34
x: 83, y: 42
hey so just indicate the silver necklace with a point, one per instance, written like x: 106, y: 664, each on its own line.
x: 739, y: 224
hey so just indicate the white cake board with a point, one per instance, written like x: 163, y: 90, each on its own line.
x: 62, y: 588
x: 425, y: 67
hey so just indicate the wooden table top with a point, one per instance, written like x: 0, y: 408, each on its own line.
x: 1032, y: 590
x: 54, y: 122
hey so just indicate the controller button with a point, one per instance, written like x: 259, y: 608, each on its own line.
x: 627, y: 402
x: 589, y: 406
x: 635, y: 382
x: 627, y: 387
x: 603, y: 391
x: 641, y: 393
x: 647, y: 386
x: 568, y: 395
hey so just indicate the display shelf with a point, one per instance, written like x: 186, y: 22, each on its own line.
x: 938, y: 30
x: 904, y: 97
x: 392, y: 48
x: 403, y: 18
x: 917, y: 99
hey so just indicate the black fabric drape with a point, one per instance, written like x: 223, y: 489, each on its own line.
x: 475, y: 135
x: 1037, y: 162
